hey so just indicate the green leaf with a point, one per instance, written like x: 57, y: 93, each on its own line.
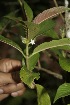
x: 13, y: 18
x: 65, y: 63
x: 33, y: 30
x: 15, y: 101
x: 11, y: 43
x: 51, y: 33
x: 63, y: 90
x: 43, y: 97
x: 28, y: 77
x: 46, y: 25
x: 22, y: 29
x: 51, y: 44
x: 32, y: 61
x: 3, y: 24
x: 28, y: 12
x: 66, y: 47
x: 47, y: 28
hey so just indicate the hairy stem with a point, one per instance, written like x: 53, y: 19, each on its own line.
x: 27, y: 54
x: 59, y: 76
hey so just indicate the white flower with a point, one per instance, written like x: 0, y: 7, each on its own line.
x: 32, y: 42
x: 68, y: 34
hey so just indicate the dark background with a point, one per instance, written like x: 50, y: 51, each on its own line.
x: 48, y: 81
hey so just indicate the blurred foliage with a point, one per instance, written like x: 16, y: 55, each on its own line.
x: 29, y: 98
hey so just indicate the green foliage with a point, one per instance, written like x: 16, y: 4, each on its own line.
x: 63, y: 90
x: 28, y: 11
x: 54, y: 35
x: 33, y: 30
x: 65, y: 63
x: 11, y: 43
x: 51, y: 44
x: 15, y: 101
x: 42, y: 95
x: 3, y: 24
x: 46, y: 28
x: 28, y: 77
x: 28, y: 30
x: 32, y: 61
x: 46, y: 25
x: 22, y: 29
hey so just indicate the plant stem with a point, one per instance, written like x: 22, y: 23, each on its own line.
x: 55, y: 2
x: 59, y: 76
x: 27, y: 54
x: 66, y: 19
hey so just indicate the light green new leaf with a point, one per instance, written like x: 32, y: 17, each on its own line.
x: 52, y: 44
x: 11, y: 43
x: 63, y: 90
x: 43, y: 97
x: 28, y: 77
x: 28, y: 11
x: 32, y: 61
x: 65, y: 63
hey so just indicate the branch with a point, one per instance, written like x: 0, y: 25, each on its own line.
x: 59, y: 76
x: 55, y: 2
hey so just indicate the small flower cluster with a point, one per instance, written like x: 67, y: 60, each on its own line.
x: 32, y: 42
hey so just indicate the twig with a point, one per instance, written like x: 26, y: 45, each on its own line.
x: 39, y: 65
x: 4, y: 28
x: 55, y: 2
x: 27, y: 54
x: 59, y: 76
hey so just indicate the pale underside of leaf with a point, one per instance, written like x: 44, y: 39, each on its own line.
x: 49, y: 13
x: 11, y: 43
x: 52, y: 44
